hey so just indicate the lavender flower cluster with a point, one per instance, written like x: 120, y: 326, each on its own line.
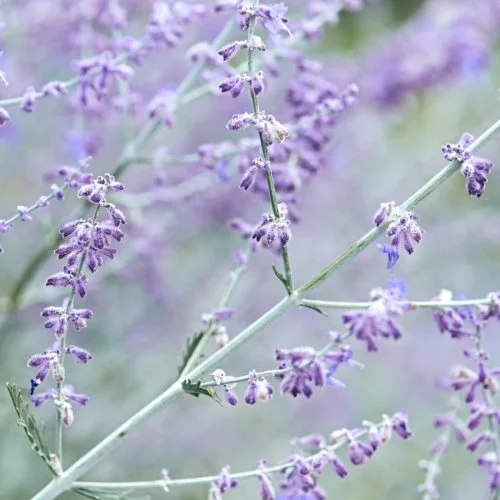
x: 89, y: 246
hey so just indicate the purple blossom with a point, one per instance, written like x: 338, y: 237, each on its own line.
x: 309, y: 368
x: 222, y: 484
x: 378, y: 320
x: 24, y: 213
x: 272, y: 227
x: 267, y: 491
x: 162, y: 107
x: 4, y: 117
x: 96, y: 190
x: 451, y: 319
x: 405, y: 228
x: 301, y: 478
x: 30, y: 98
x: 458, y: 152
x: 271, y: 16
x: 392, y: 254
x: 46, y: 362
x: 473, y: 168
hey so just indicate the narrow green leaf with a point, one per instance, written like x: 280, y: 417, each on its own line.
x: 27, y: 421
x: 191, y: 345
x: 195, y: 389
x: 314, y: 308
x: 281, y: 278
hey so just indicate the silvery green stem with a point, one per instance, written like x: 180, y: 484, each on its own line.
x: 432, y: 468
x: 428, y: 188
x: 265, y: 151
x: 416, y: 304
x: 85, y: 463
x: 62, y: 352
x: 210, y: 328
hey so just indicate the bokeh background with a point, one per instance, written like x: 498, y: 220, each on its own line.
x: 441, y: 60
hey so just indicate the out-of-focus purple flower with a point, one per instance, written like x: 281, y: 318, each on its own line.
x: 30, y: 98
x: 54, y: 88
x: 162, y: 106
x: 378, y: 320
x: 391, y: 252
x: 451, y: 319
x: 301, y: 478
x: 463, y: 378
x: 24, y: 213
x: 79, y: 354
x: 4, y: 117
x: 266, y: 486
x: 271, y: 16
x: 95, y: 75
x: 222, y: 484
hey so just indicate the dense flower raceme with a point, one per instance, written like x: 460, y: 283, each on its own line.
x: 480, y: 430
x: 472, y: 167
x: 88, y: 246
x: 379, y: 320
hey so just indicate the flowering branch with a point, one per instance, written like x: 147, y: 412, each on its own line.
x: 379, y: 433
x: 127, y: 158
x: 264, y: 147
x: 86, y: 462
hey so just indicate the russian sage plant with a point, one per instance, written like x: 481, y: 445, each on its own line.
x: 278, y: 101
